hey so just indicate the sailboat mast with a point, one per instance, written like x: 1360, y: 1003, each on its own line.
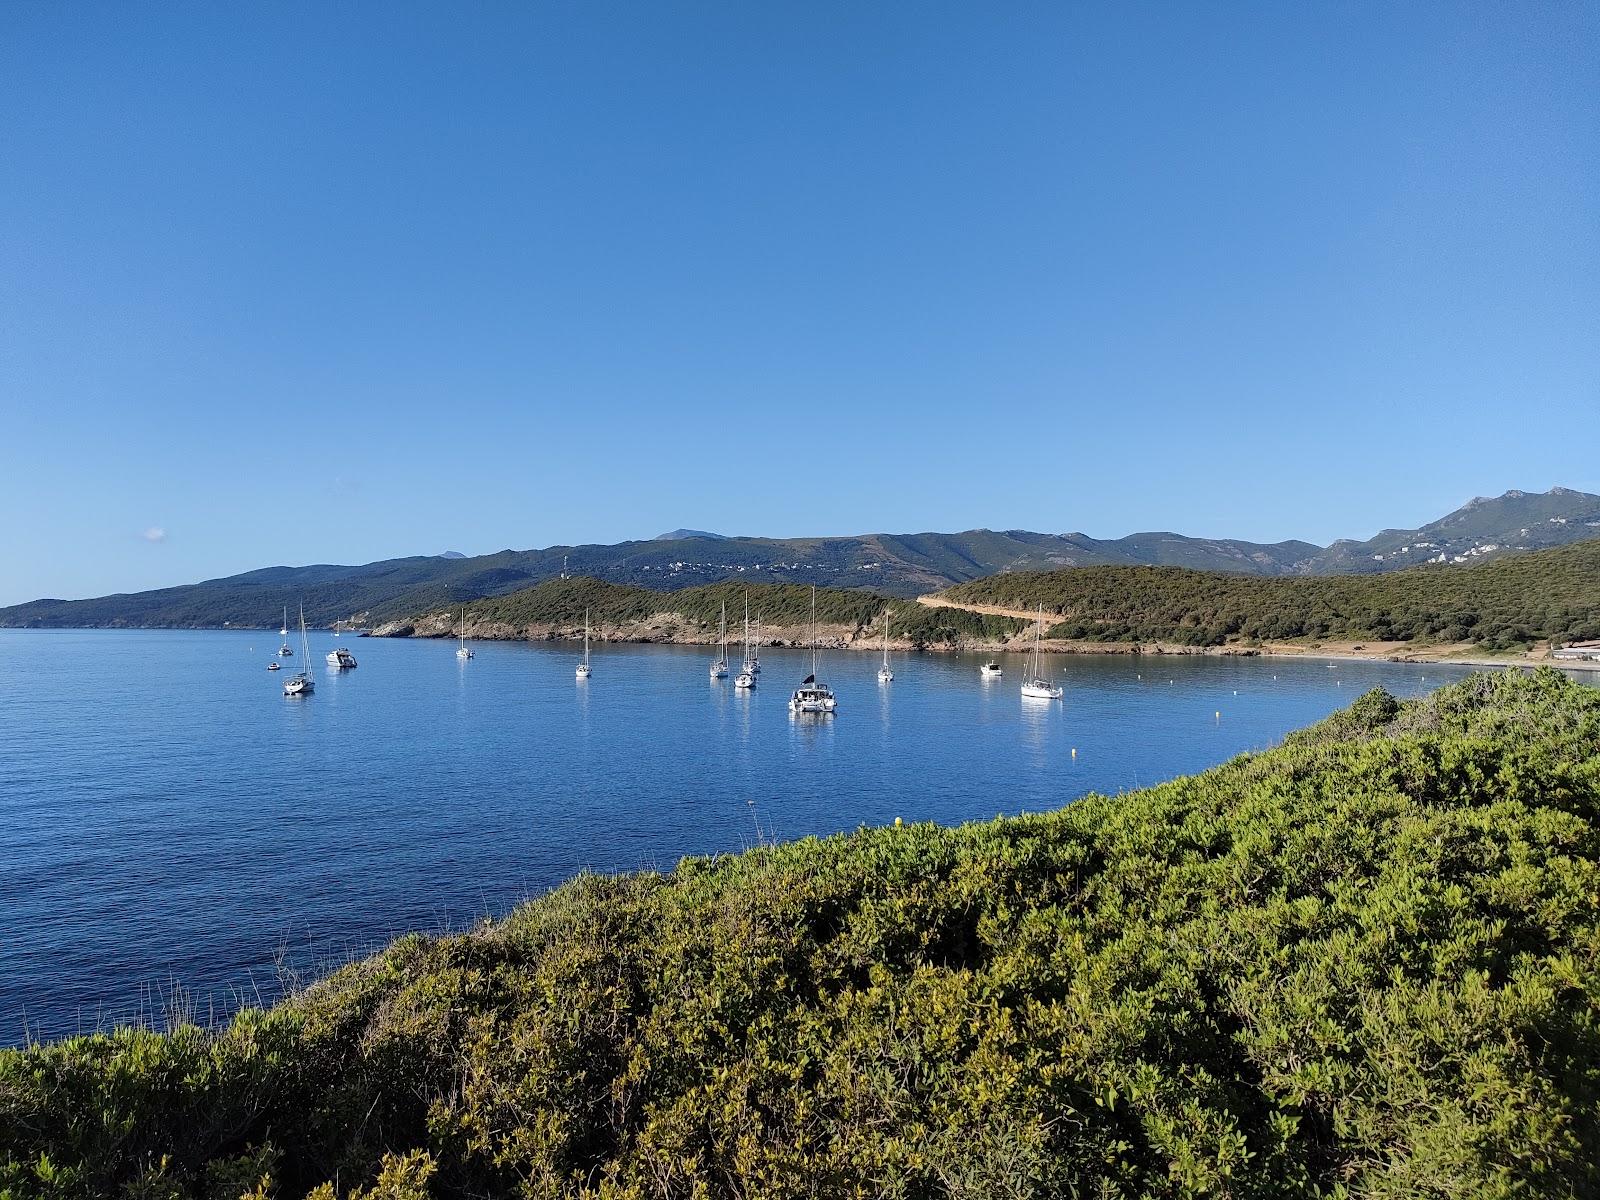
x: 1038, y: 631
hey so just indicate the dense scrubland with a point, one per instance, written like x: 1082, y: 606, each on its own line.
x: 562, y: 603
x: 1361, y: 964
x: 1507, y: 603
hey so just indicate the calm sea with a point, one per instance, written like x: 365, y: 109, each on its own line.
x: 171, y: 824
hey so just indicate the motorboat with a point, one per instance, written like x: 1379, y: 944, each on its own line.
x: 341, y: 658
x: 991, y: 670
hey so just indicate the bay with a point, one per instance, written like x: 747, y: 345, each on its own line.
x: 175, y: 833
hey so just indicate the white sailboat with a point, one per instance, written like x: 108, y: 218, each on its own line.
x: 583, y: 671
x: 885, y: 675
x: 750, y: 666
x: 813, y: 696
x: 719, y: 669
x: 283, y: 630
x: 747, y: 676
x: 284, y: 651
x: 755, y: 649
x: 301, y: 684
x: 1034, y: 684
x: 463, y: 651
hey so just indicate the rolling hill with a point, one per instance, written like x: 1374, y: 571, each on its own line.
x: 892, y: 564
x: 1499, y: 604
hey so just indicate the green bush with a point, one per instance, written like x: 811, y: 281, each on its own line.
x: 1361, y: 964
x: 1503, y: 604
x: 564, y: 601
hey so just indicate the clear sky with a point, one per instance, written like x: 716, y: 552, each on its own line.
x: 338, y: 282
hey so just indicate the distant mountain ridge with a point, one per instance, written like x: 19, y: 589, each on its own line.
x: 683, y: 535
x: 894, y: 564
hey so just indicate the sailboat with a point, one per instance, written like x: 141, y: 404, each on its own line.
x: 463, y: 651
x: 283, y: 630
x: 885, y: 675
x: 755, y: 649
x: 719, y: 669
x: 583, y: 667
x: 302, y: 684
x: 1034, y: 684
x: 751, y: 666
x: 747, y: 675
x: 284, y: 651
x: 813, y: 696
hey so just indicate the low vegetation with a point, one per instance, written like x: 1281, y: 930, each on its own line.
x: 562, y: 602
x: 1508, y: 603
x: 1361, y: 964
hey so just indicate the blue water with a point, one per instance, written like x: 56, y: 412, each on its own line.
x: 168, y: 818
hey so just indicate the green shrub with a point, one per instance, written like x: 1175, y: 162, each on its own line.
x: 1366, y: 963
x: 1503, y: 604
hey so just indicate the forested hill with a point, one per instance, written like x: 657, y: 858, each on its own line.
x: 1501, y: 604
x: 563, y: 604
x: 1365, y: 964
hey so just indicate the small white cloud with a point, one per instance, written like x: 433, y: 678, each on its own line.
x: 154, y: 534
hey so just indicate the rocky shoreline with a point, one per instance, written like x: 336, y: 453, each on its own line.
x: 678, y: 630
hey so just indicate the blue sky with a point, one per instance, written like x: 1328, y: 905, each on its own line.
x: 313, y: 283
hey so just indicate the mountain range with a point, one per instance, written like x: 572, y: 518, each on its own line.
x: 894, y: 564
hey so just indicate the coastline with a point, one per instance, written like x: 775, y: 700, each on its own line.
x: 677, y: 630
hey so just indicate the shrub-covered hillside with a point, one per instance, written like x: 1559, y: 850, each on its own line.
x: 1505, y: 603
x: 564, y: 602
x: 1361, y: 964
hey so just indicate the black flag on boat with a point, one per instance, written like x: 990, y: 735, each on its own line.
x: 808, y: 680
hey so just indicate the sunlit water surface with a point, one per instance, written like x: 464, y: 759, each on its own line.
x: 168, y: 818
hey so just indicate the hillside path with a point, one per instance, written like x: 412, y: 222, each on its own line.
x: 992, y: 610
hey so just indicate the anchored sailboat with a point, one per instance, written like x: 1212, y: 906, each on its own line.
x: 747, y: 671
x: 1034, y: 685
x: 284, y: 651
x: 885, y: 675
x: 583, y: 671
x: 751, y: 665
x: 719, y: 669
x: 463, y: 651
x: 813, y: 696
x: 302, y: 684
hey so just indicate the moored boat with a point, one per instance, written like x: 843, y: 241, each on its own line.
x: 813, y: 696
x: 301, y: 683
